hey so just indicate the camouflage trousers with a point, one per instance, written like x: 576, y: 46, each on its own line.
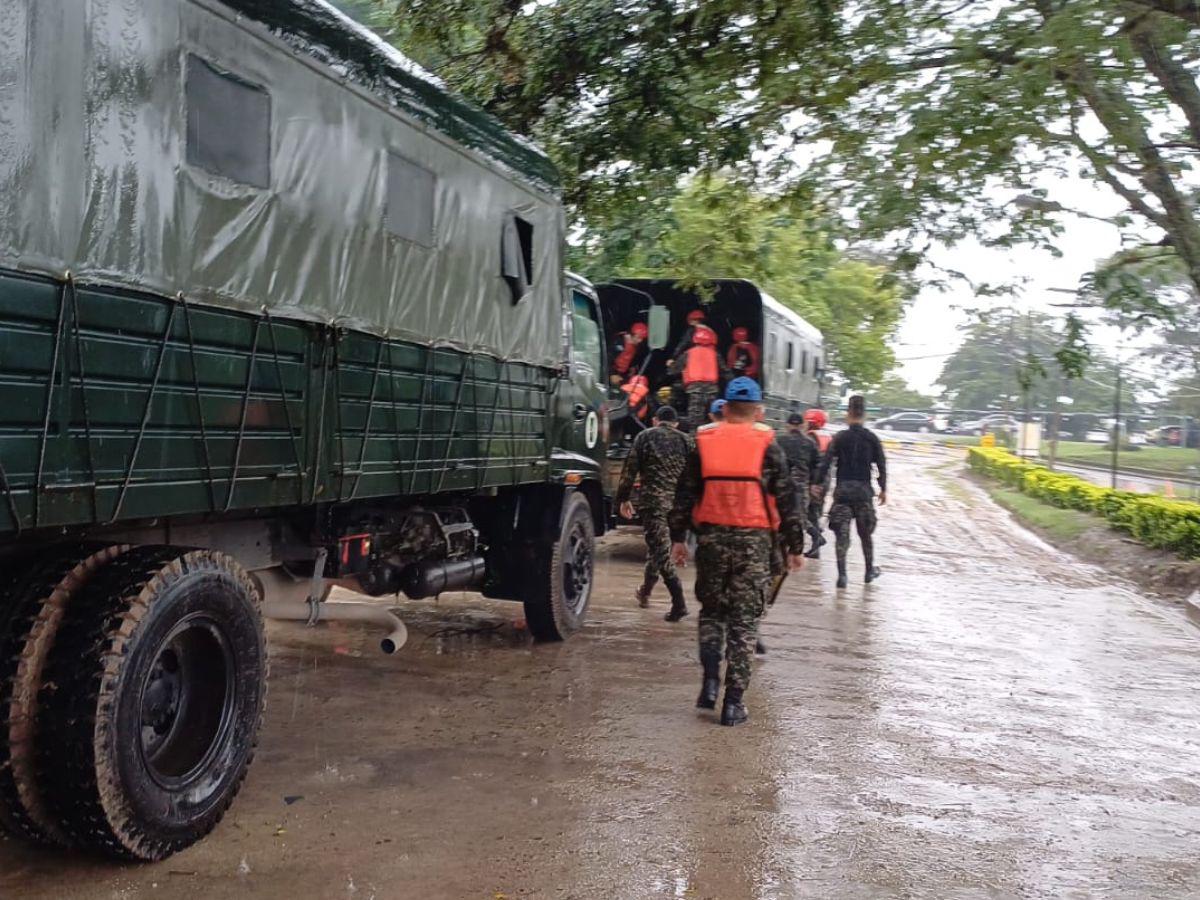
x: 816, y: 505
x: 699, y: 397
x: 658, y: 547
x: 733, y: 582
x: 853, y: 501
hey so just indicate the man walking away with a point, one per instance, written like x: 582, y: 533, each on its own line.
x: 802, y: 460
x: 716, y: 410
x: 735, y: 492
x: 802, y: 457
x: 853, y: 451
x: 814, y: 421
x: 657, y: 456
x: 702, y: 371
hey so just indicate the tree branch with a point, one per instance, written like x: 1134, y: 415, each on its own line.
x: 1188, y: 10
x: 1176, y: 81
x: 1105, y: 174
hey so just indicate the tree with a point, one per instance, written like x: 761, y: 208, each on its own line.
x: 894, y: 392
x: 931, y: 119
x: 984, y: 373
x: 718, y: 228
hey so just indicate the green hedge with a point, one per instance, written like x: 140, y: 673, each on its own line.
x: 1155, y: 521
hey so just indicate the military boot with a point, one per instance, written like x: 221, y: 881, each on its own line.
x: 760, y: 649
x: 643, y: 595
x: 873, y: 571
x: 678, y: 604
x: 712, y: 683
x: 733, y: 712
x: 814, y: 552
x: 842, y: 581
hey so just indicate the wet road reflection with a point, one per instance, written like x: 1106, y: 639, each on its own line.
x: 990, y: 719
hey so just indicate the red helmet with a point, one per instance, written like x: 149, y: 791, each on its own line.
x: 639, y: 329
x: 696, y: 315
x: 704, y: 337
x: 741, y: 334
x: 816, y: 418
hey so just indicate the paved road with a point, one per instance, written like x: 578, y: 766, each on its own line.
x: 989, y: 720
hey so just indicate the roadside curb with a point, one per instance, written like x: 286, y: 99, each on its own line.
x: 1192, y: 605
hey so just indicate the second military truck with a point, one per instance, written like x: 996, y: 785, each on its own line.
x: 276, y: 312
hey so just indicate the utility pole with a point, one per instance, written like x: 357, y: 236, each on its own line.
x: 1026, y: 385
x: 1116, y: 429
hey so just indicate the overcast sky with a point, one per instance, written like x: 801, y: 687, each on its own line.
x: 931, y: 329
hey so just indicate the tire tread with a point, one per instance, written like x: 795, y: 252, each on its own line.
x: 78, y: 694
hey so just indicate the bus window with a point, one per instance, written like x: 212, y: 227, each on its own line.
x: 791, y: 356
x: 804, y: 362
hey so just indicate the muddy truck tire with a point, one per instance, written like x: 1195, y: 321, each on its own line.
x: 35, y: 594
x: 560, y: 588
x: 151, y: 702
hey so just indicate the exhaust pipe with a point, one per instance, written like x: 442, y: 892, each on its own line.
x: 283, y: 597
x: 429, y: 579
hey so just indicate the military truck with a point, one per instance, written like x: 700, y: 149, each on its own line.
x: 792, y: 350
x: 277, y: 312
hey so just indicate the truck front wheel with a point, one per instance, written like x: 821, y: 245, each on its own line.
x: 560, y: 588
x: 158, y: 681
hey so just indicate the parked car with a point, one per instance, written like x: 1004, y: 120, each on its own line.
x: 908, y: 421
x: 1167, y: 436
x: 990, y: 423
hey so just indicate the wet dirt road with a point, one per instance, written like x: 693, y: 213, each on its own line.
x: 989, y: 720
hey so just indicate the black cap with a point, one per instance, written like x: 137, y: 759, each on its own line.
x: 666, y: 413
x: 795, y: 419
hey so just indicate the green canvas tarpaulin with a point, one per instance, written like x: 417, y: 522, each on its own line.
x: 271, y: 153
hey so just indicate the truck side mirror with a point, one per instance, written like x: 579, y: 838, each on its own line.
x: 659, y: 323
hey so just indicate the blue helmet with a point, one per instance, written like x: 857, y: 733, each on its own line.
x: 716, y: 407
x: 743, y: 390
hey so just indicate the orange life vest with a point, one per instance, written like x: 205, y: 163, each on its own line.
x: 702, y: 358
x: 743, y: 359
x: 625, y: 358
x: 731, y: 468
x: 823, y: 440
x: 638, y: 388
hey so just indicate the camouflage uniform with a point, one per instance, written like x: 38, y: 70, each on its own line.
x: 699, y: 397
x: 657, y: 456
x: 816, y: 505
x: 854, y: 451
x: 853, y: 502
x: 701, y: 394
x: 733, y: 566
x: 801, y: 453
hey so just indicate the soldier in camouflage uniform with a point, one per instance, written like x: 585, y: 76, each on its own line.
x: 702, y: 371
x: 802, y: 456
x: 734, y: 491
x: 657, y: 457
x: 853, y: 451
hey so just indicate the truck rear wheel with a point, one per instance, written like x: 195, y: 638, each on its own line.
x: 153, y: 700
x: 35, y: 597
x: 558, y: 593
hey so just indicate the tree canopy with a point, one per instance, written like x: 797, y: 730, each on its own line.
x: 932, y: 119
x: 894, y: 392
x: 714, y: 227
x: 1006, y: 352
